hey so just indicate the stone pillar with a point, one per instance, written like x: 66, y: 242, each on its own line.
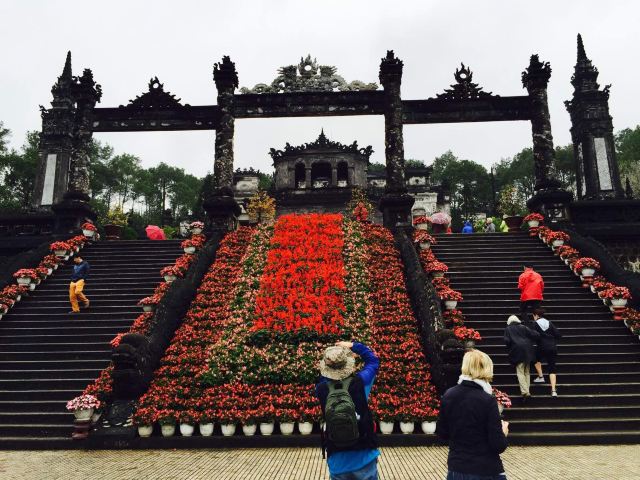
x: 222, y: 209
x: 307, y: 178
x: 597, y: 172
x: 56, y: 142
x: 334, y: 175
x: 395, y: 203
x: 535, y: 79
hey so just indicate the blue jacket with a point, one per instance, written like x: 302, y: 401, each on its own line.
x: 351, y: 461
x: 468, y: 228
x: 80, y: 271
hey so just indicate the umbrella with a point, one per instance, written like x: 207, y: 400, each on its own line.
x: 155, y: 233
x: 441, y: 218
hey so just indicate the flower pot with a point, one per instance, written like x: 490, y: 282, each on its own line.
x: 23, y: 280
x: 186, y: 430
x: 49, y: 271
x: 112, y: 232
x: 60, y: 253
x: 425, y: 245
x: 469, y: 344
x: 305, y: 428
x: 88, y: 233
x: 386, y: 427
x: 593, y: 289
x: 286, y: 428
x: 66, y: 257
x: 588, y: 272
x: 557, y: 243
x: 206, y: 429
x: 422, y: 226
x: 169, y: 278
x: 32, y: 286
x: 437, y: 274
x: 428, y: 427
x: 196, y: 231
x: 439, y: 228
x: 626, y: 323
x: 83, y: 415
x: 145, y: 431
x: 533, y: 223
x: 55, y: 267
x: 407, y: 427
x: 514, y: 222
x: 618, y: 302
x: 266, y: 428
x: 228, y: 429
x: 148, y: 308
x: 190, y: 250
x: 450, y: 304
x: 249, y: 430
x: 168, y: 429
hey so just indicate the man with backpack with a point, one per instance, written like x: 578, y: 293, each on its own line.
x: 349, y: 436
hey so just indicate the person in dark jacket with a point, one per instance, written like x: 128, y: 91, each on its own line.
x: 547, y: 348
x: 359, y: 462
x: 78, y: 277
x: 470, y: 423
x: 520, y: 341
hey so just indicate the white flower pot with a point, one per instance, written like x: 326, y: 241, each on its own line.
x: 266, y: 428
x: 386, y: 427
x: 407, y: 427
x: 286, y: 428
x: 189, y: 250
x: 249, y: 430
x: 618, y: 302
x: 450, y: 304
x: 425, y: 245
x: 626, y: 323
x: 77, y: 249
x: 557, y: 243
x: 593, y: 289
x: 437, y: 274
x: 533, y: 223
x: 422, y: 226
x: 88, y: 233
x: 588, y: 272
x: 18, y: 298
x: 148, y: 308
x: 206, y: 429
x: 32, y: 286
x: 168, y: 430
x: 23, y: 280
x: 49, y: 271
x: 196, y: 231
x: 83, y: 415
x: 169, y: 278
x: 55, y: 267
x: 428, y: 427
x: 66, y: 257
x: 228, y: 429
x: 186, y: 430
x: 305, y: 428
x: 145, y: 431
x: 60, y: 253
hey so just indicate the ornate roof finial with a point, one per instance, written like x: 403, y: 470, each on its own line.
x: 582, y: 55
x: 464, y: 88
x: 66, y: 71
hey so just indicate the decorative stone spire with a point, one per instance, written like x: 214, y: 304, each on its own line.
x: 585, y: 77
x: 225, y: 75
x: 61, y: 90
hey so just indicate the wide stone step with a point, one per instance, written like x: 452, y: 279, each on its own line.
x: 32, y: 406
x: 59, y: 355
x: 107, y: 293
x: 592, y: 364
x: 29, y: 395
x: 605, y: 387
x: 61, y: 331
x: 46, y: 383
x: 36, y: 430
x: 55, y: 364
x: 90, y: 314
x: 8, y: 322
x: 633, y: 347
x: 42, y: 374
x: 584, y: 400
x: 575, y: 331
x: 36, y: 418
x: 571, y: 339
x: 57, y: 339
x: 70, y: 346
x: 551, y: 412
x: 631, y: 423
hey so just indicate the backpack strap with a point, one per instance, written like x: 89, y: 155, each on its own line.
x: 346, y: 383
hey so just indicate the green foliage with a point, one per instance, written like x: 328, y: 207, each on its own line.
x: 413, y: 163
x: 170, y: 232
x: 128, y: 233
x: 18, y: 172
x: 511, y: 202
x: 116, y: 216
x: 376, y: 168
x: 628, y: 153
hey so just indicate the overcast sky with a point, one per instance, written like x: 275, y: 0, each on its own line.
x: 126, y: 43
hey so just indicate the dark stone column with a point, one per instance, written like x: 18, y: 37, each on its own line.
x: 597, y: 172
x: 222, y: 209
x: 307, y: 176
x: 395, y: 203
x: 334, y: 176
x: 535, y: 80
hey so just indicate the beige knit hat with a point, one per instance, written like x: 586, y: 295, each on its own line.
x: 337, y: 363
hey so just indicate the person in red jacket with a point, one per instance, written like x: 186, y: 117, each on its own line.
x: 531, y: 287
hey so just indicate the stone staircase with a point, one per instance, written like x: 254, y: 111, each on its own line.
x: 48, y: 356
x: 598, y: 361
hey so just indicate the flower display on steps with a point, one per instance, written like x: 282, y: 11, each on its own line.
x: 240, y: 357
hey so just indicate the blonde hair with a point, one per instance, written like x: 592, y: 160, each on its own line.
x: 477, y: 364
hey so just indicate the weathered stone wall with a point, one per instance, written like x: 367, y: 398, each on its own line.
x: 625, y: 252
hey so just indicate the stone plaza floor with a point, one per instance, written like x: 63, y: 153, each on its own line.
x: 402, y: 463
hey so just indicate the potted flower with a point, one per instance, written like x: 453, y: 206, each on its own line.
x: 360, y: 212
x: 440, y: 222
x: 543, y: 232
x: 170, y: 273
x: 421, y: 222
x: 60, y: 249
x: 248, y: 418
x: 190, y: 246
x: 428, y: 423
x: 566, y: 253
x: 587, y: 266
x: 188, y: 419
x: 148, y: 304
x: 115, y: 221
x: 534, y: 219
x: 143, y: 418
x: 408, y: 415
x: 25, y: 276
x: 453, y: 318
x: 287, y: 420
x: 424, y: 239
x: 83, y: 407
x: 4, y: 308
x: 467, y: 335
x: 451, y: 298
x: 50, y: 262
x: 618, y: 296
x: 205, y: 424
x: 196, y: 227
x: 557, y: 238
x: 502, y: 398
x: 167, y: 423
x: 436, y: 268
x: 307, y: 418
x: 89, y: 229
x: 511, y: 206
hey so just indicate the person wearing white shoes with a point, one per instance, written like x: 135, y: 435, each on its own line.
x: 519, y: 340
x: 547, y: 348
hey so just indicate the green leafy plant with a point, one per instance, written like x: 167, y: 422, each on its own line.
x: 511, y: 202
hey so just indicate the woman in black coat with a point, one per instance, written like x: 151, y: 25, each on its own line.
x: 519, y: 340
x: 470, y: 423
x: 547, y: 349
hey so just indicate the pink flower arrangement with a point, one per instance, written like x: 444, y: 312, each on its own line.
x: 558, y: 235
x: 502, y: 398
x: 436, y: 266
x: 60, y: 246
x: 420, y: 236
x: 89, y: 226
x: 360, y: 212
x: 83, y: 402
x: 534, y: 217
x: 30, y: 273
x: 565, y: 251
x: 465, y: 333
x: 196, y: 224
x: 421, y: 219
x: 450, y: 294
x: 618, y: 293
x: 586, y: 262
